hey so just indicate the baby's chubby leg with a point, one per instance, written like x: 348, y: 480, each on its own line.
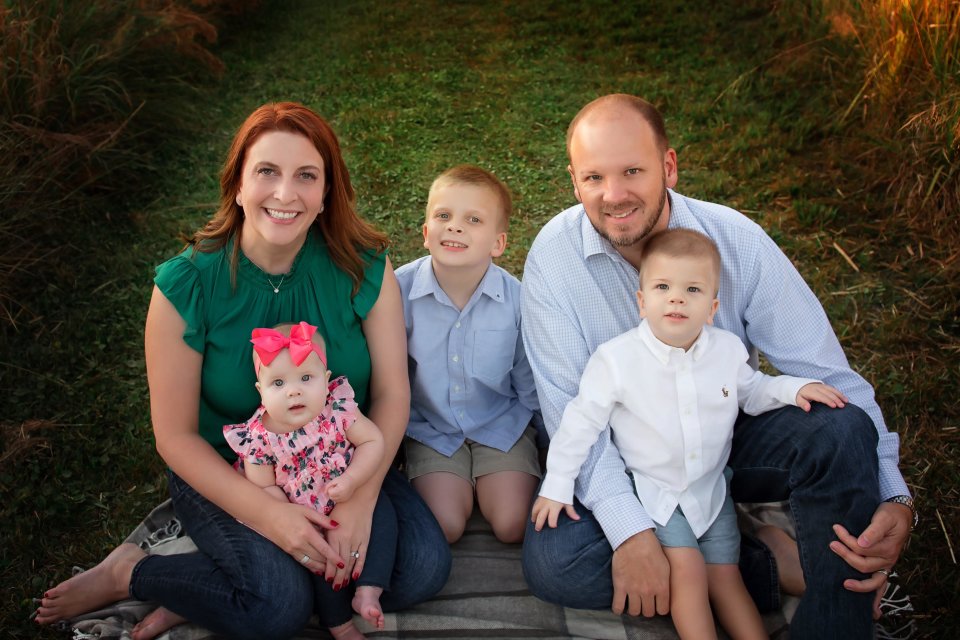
x: 505, y: 498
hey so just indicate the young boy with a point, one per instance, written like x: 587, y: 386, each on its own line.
x: 671, y: 391
x: 472, y: 391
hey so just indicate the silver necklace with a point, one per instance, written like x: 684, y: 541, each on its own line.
x: 276, y: 287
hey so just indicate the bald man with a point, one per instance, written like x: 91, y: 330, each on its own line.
x: 838, y: 468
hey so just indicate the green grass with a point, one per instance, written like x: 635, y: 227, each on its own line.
x: 412, y: 90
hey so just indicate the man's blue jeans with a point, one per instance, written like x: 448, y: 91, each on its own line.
x: 241, y: 585
x: 824, y: 462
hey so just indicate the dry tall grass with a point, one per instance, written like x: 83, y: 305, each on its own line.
x: 909, y: 100
x: 82, y: 85
x: 879, y: 174
x: 894, y: 67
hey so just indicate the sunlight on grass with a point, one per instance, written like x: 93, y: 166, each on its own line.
x: 911, y: 51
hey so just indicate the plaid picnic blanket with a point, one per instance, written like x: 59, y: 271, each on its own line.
x: 486, y: 597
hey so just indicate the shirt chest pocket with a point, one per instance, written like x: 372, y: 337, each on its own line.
x: 492, y: 354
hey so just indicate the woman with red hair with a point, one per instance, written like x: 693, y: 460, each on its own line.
x: 285, y: 245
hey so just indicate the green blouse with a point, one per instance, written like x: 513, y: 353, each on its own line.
x: 220, y: 318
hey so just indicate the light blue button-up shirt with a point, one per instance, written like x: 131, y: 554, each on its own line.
x: 579, y: 292
x: 469, y: 375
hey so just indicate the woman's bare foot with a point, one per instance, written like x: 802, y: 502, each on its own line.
x: 366, y: 602
x: 787, y: 555
x: 156, y: 622
x: 107, y: 582
x: 347, y: 631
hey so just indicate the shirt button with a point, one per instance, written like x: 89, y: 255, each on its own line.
x: 457, y: 325
x: 693, y: 456
x: 456, y: 388
x: 460, y: 414
x: 456, y: 358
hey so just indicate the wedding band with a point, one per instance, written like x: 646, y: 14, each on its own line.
x: 883, y: 571
x: 355, y: 554
x: 305, y: 559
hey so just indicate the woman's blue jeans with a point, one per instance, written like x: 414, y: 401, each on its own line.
x: 824, y: 462
x: 240, y: 585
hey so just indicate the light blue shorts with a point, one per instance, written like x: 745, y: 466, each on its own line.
x: 720, y: 544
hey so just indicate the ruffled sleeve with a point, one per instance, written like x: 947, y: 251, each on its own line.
x: 179, y: 281
x: 341, y: 407
x: 369, y: 290
x: 249, y: 441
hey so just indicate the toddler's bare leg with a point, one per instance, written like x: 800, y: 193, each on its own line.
x: 689, y: 602
x: 450, y: 498
x: 787, y: 555
x: 505, y: 498
x: 736, y: 610
x: 366, y: 602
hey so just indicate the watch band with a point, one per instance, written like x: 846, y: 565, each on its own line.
x: 907, y: 501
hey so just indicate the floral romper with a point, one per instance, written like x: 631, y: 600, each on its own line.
x: 306, y: 459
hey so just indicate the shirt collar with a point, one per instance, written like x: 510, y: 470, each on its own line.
x: 680, y: 215
x: 662, y: 351
x: 492, y: 284
x: 593, y: 243
x: 424, y: 280
x: 425, y: 284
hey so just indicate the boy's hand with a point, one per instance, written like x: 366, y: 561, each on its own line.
x: 822, y: 393
x: 340, y: 489
x: 547, y: 510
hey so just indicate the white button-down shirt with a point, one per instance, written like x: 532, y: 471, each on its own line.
x: 671, y: 413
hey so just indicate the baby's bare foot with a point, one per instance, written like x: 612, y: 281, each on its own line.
x: 366, y: 602
x: 107, y: 582
x: 347, y: 631
x: 156, y: 622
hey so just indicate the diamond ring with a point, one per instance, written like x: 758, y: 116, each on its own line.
x: 355, y: 554
x: 305, y: 559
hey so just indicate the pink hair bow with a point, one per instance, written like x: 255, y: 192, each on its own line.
x: 267, y: 343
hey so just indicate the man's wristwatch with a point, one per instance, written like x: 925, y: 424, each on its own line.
x: 908, y: 501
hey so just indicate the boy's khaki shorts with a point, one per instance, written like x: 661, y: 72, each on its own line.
x: 473, y: 460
